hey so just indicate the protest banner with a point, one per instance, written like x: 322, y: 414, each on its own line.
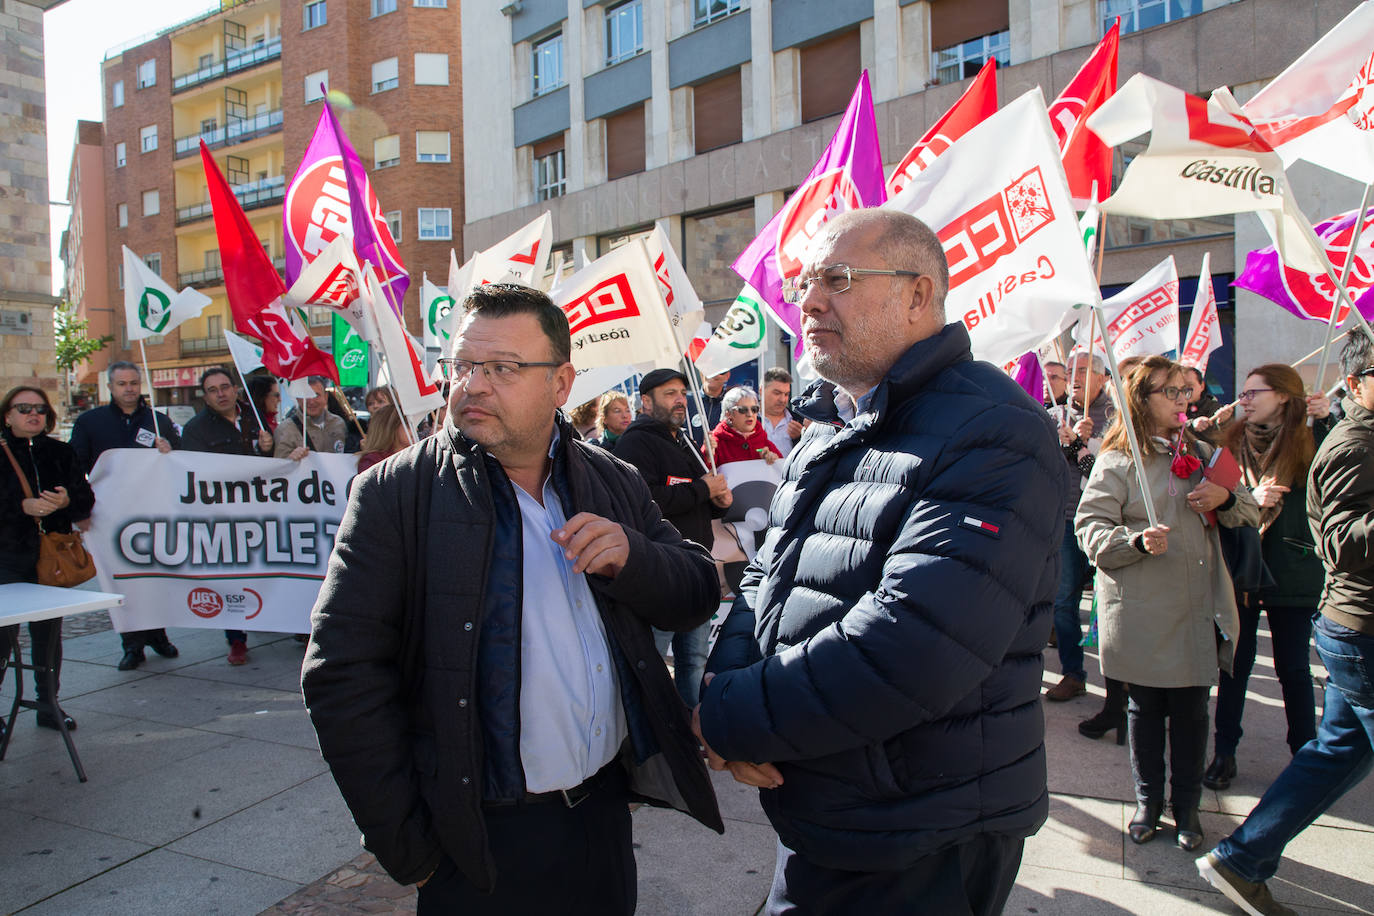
x: 222, y: 541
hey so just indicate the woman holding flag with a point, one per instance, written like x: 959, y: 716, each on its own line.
x: 1161, y: 588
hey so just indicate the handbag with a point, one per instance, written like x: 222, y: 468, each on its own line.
x: 62, y: 558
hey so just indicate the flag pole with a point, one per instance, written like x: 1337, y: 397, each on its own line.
x: 1331, y: 321
x: 1298, y: 362
x: 152, y: 402
x: 695, y: 385
x: 1088, y: 395
x: 1124, y: 406
x: 390, y: 375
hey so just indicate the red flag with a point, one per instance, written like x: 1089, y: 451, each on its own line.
x: 1086, y: 158
x: 255, y: 289
x: 977, y: 104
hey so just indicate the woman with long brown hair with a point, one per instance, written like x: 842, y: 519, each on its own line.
x: 1162, y: 590
x: 384, y: 437
x: 1274, y: 446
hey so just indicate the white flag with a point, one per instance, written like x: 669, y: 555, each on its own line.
x: 150, y: 305
x: 332, y: 280
x: 1000, y: 204
x: 418, y: 395
x: 685, y: 311
x: 1142, y: 319
x: 738, y: 338
x: 525, y: 253
x: 616, y: 313
x: 247, y: 355
x: 1204, y: 328
x: 436, y: 307
x: 592, y: 383
x: 1319, y: 109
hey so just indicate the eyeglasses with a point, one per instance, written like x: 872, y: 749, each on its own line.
x: 497, y: 371
x: 836, y: 278
x: 26, y: 409
x: 1250, y: 393
x: 754, y: 409
x: 1174, y: 392
x: 1367, y: 373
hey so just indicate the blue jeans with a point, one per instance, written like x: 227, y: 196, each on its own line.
x: 1325, y: 769
x: 1068, y: 628
x: 689, y: 659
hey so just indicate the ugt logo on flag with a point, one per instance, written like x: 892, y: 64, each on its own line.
x: 609, y: 300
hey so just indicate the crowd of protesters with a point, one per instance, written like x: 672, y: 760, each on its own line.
x: 1180, y: 567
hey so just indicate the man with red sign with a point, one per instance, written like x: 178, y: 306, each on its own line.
x: 878, y: 676
x: 481, y: 673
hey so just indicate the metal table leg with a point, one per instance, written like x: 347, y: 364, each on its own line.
x: 51, y: 707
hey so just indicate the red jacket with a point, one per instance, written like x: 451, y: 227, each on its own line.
x: 731, y: 446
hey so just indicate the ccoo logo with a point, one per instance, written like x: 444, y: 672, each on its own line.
x: 815, y: 202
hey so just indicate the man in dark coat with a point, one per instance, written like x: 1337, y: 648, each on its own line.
x: 878, y: 677
x: 225, y: 428
x: 126, y: 422
x: 687, y: 495
x: 481, y: 674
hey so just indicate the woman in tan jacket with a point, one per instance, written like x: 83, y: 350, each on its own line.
x: 1163, y: 592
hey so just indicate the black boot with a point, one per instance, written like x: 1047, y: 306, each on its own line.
x: 1219, y: 773
x: 1189, y: 828
x: 1145, y: 822
x: 1112, y: 715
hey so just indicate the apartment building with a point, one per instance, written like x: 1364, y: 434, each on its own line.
x: 249, y: 79
x: 703, y: 115
x: 86, y: 255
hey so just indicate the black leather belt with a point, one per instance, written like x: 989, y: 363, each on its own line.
x: 600, y: 780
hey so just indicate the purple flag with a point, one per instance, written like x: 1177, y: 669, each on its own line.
x: 1031, y: 376
x: 848, y: 176
x: 329, y: 196
x: 1309, y: 296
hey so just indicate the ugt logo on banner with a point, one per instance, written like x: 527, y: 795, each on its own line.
x: 806, y: 212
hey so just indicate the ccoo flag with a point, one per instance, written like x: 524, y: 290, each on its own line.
x: 848, y: 176
x: 615, y: 312
x: 1204, y: 328
x: 1310, y: 295
x: 1000, y: 205
x: 1142, y: 319
x: 150, y: 305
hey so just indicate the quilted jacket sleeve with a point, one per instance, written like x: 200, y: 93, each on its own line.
x: 1344, y: 526
x: 951, y: 600
x: 353, y: 685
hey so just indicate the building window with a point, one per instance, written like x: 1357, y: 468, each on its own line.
x: 1143, y: 14
x: 381, y: 7
x: 829, y: 70
x: 625, y: 143
x: 547, y: 64
x: 121, y: 155
x: 147, y: 74
x: 117, y: 94
x: 385, y: 75
x: 152, y: 205
x: 435, y: 223
x: 431, y: 146
x: 316, y: 85
x: 431, y: 69
x: 147, y: 138
x: 624, y: 31
x: 316, y: 14
x: 550, y: 176
x: 154, y: 262
x: 704, y: 11
x: 122, y: 217
x: 718, y: 112
x: 965, y: 59
x: 214, y: 326
x: 386, y: 151
x: 119, y: 276
x: 433, y: 4
x: 393, y: 222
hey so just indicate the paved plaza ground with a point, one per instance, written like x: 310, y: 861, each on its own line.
x: 207, y: 794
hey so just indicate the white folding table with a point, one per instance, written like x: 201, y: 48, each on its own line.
x: 22, y: 602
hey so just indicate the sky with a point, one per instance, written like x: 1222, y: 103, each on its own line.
x: 76, y: 36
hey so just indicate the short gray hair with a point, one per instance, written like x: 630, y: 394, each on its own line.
x: 119, y: 366
x: 1075, y: 359
x: 734, y: 396
x: 905, y: 243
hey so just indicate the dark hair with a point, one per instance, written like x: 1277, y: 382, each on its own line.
x: 1358, y: 353
x: 1296, y: 445
x: 777, y: 374
x: 322, y: 380
x: 215, y: 370
x: 1197, y: 374
x: 1054, y: 363
x: 500, y: 300
x: 17, y: 390
x: 119, y: 365
x: 259, y: 386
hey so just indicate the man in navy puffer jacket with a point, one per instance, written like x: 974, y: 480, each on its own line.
x: 879, y: 675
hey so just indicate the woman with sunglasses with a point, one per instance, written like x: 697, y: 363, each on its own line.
x: 1274, y: 446
x: 61, y: 497
x: 739, y: 436
x: 1162, y: 590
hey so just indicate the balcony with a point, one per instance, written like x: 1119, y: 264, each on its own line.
x: 237, y: 131
x: 232, y: 63
x: 210, y: 276
x: 199, y: 346
x: 251, y: 196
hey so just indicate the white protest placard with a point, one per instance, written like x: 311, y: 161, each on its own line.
x: 222, y: 541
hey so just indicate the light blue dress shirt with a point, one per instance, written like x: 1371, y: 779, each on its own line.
x: 572, y: 722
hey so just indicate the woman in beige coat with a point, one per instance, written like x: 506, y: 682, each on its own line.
x: 1163, y: 592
